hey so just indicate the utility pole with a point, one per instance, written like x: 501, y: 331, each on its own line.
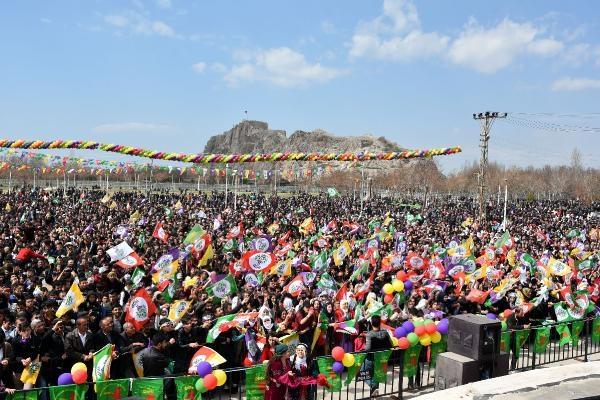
x: 486, y: 121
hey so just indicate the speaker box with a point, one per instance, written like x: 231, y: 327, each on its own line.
x: 474, y: 336
x: 453, y: 370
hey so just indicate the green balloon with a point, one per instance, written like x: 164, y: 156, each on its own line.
x: 427, y: 321
x: 200, y: 386
x: 417, y: 322
x: 504, y: 326
x: 412, y: 338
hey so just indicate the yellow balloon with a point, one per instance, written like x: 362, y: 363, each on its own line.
x: 425, y: 340
x: 436, y: 337
x: 78, y: 366
x: 388, y: 288
x: 395, y: 342
x: 348, y: 360
x: 398, y: 285
x: 221, y: 376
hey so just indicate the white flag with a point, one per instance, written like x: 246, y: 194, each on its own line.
x: 119, y: 252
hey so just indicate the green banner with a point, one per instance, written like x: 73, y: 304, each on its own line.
x: 112, y: 389
x: 148, y: 389
x: 520, y: 338
x: 576, y: 329
x: 256, y: 381
x: 68, y: 392
x: 596, y: 330
x: 24, y: 395
x: 380, y: 359
x: 542, y: 338
x: 505, y: 341
x: 564, y: 334
x: 411, y: 360
x: 325, y: 367
x: 353, y: 370
x: 186, y: 389
x: 437, y: 348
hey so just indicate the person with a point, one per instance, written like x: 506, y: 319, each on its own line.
x: 300, y: 367
x: 79, y: 345
x: 132, y: 342
x: 6, y: 358
x: 376, y: 340
x: 276, y: 368
x: 155, y: 360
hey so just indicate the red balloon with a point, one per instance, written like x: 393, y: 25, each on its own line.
x: 388, y: 298
x: 403, y: 343
x: 210, y: 381
x: 79, y: 376
x: 401, y: 276
x: 338, y: 353
x: 420, y: 330
x: 247, y: 362
x: 431, y: 328
x: 507, y: 313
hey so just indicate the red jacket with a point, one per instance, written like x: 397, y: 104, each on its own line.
x: 26, y: 254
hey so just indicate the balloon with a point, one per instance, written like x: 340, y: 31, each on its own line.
x: 420, y: 330
x: 436, y: 337
x: 431, y: 328
x: 408, y: 285
x: 221, y: 376
x: 348, y: 360
x: 388, y: 298
x: 78, y: 366
x: 65, y: 379
x: 425, y: 340
x: 388, y: 288
x: 507, y: 313
x: 427, y: 321
x: 210, y: 382
x: 398, y: 285
x: 403, y: 343
x: 417, y: 322
x: 247, y: 362
x: 200, y: 386
x: 490, y: 316
x: 504, y: 325
x: 408, y: 327
x: 399, y: 332
x: 80, y: 376
x: 338, y: 367
x: 394, y: 342
x: 444, y: 321
x: 401, y: 276
x: 338, y: 353
x: 443, y: 327
x: 204, y: 368
x: 412, y: 338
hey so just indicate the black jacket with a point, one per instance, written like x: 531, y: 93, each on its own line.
x: 154, y: 362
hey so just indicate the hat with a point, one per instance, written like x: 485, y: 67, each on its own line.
x: 281, y: 349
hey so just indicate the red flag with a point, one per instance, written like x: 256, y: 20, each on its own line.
x: 341, y: 293
x: 236, y: 231
x: 477, y: 296
x: 200, y: 245
x: 160, y: 233
x: 131, y: 261
x: 366, y: 287
x: 295, y: 286
x: 258, y: 261
x: 140, y: 309
x: 415, y: 262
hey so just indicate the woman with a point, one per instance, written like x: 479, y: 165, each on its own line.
x: 24, y: 352
x: 300, y: 367
x: 277, y: 367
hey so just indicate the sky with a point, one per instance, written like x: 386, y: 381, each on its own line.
x: 168, y: 74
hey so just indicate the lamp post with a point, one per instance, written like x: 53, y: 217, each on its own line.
x: 505, y: 201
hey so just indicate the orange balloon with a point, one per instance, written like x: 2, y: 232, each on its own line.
x: 403, y: 343
x: 210, y: 381
x: 420, y: 330
x: 431, y: 328
x: 401, y: 276
x: 338, y: 353
x: 79, y: 376
x: 388, y: 298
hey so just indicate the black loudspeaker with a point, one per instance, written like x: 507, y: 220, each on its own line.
x: 474, y: 336
x: 453, y: 370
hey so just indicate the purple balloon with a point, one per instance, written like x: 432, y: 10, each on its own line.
x: 408, y: 327
x: 490, y: 315
x: 338, y: 367
x: 65, y: 379
x: 408, y: 285
x: 204, y: 368
x: 399, y: 332
x: 443, y: 328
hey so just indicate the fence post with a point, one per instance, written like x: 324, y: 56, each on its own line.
x: 587, y: 334
x: 534, y: 353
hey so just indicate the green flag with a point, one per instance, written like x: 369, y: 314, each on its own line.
x: 137, y: 276
x: 148, y: 389
x: 101, y: 363
x: 332, y: 192
x: 596, y: 330
x: 326, y: 367
x: 576, y: 329
x: 214, y: 331
x: 319, y: 262
x: 353, y: 370
x: 168, y: 212
x: 542, y: 338
x: 186, y: 388
x: 141, y: 241
x: 520, y: 338
x: 437, y: 348
x: 326, y: 282
x: 230, y: 245
x: 112, y: 389
x: 24, y: 395
x: 411, y: 360
x: 505, y: 341
x: 224, y: 287
x: 380, y: 359
x: 564, y: 333
x: 256, y: 381
x: 68, y: 392
x: 169, y: 293
x: 194, y: 234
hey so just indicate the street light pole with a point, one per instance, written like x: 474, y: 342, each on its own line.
x: 505, y: 201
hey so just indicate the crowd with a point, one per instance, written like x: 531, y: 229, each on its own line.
x: 456, y: 264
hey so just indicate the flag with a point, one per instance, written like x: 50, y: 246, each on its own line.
x: 160, y: 233
x: 332, y: 192
x: 307, y: 226
x: 341, y: 293
x: 258, y: 261
x: 194, y: 234
x: 558, y: 268
x: 101, y: 363
x: 341, y: 252
x: 119, y: 251
x: 31, y: 372
x: 141, y: 241
x: 256, y: 381
x: 576, y: 329
x: 326, y: 282
x: 564, y: 334
x: 290, y: 340
x: 542, y: 338
x: 596, y: 330
x: 562, y: 313
x: 411, y: 360
x: 169, y: 292
x: 137, y: 276
x: 68, y: 392
x: 133, y: 218
x: 262, y: 243
x: 178, y: 310
x: 347, y: 327
x: 138, y: 363
x: 208, y: 255
x: 359, y: 359
x: 326, y: 368
x: 186, y: 388
x: 140, y: 309
x: 224, y: 287
x: 236, y: 232
x: 520, y: 339
x: 112, y: 389
x: 148, y: 388
x: 168, y: 213
x: 166, y: 266
x: 30, y: 394
x: 477, y: 296
x: 282, y: 268
x: 206, y: 354
x: 320, y: 262
x: 130, y: 261
x: 505, y: 341
x: 214, y: 332
x: 380, y: 361
x: 71, y: 301
x: 436, y: 349
x: 295, y: 286
x: 504, y: 241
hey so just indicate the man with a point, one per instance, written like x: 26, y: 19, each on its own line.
x: 154, y: 359
x: 79, y: 345
x: 132, y: 342
x: 188, y: 341
x: 53, y: 352
x: 376, y: 340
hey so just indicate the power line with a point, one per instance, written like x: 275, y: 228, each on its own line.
x: 550, y: 126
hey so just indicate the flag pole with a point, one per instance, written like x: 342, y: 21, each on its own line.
x: 226, y: 183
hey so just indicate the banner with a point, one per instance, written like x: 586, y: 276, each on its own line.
x: 520, y: 339
x: 112, y: 389
x: 353, y: 370
x: 186, y: 389
x: 564, y: 334
x: 325, y: 367
x: 411, y: 360
x: 380, y: 359
x: 596, y: 330
x: 148, y: 388
x: 70, y: 392
x: 576, y: 329
x: 505, y: 341
x: 542, y: 338
x: 437, y: 348
x: 101, y: 363
x: 256, y: 381
x: 31, y: 394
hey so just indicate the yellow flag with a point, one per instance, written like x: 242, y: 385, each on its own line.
x: 341, y: 252
x: 165, y: 273
x: 178, y: 309
x: 112, y: 205
x: 178, y: 205
x: 387, y: 221
x: 558, y: 268
x: 512, y: 257
x: 71, y: 301
x: 31, y: 372
x: 137, y: 363
x: 187, y: 282
x: 8, y: 207
x: 208, y: 254
x: 133, y: 218
x: 105, y: 199
x: 307, y: 226
x: 282, y: 268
